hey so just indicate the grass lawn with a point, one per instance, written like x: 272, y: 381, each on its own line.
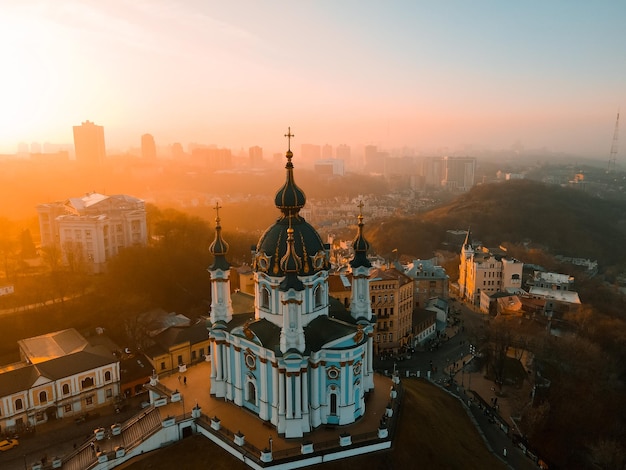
x: 433, y: 431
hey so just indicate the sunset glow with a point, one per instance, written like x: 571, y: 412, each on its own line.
x: 426, y: 75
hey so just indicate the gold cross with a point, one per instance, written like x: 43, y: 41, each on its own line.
x: 217, y: 211
x: 289, y: 135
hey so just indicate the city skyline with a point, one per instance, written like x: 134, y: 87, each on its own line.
x: 454, y: 76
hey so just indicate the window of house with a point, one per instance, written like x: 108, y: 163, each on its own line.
x: 107, y: 376
x: 19, y: 404
x: 43, y: 397
x: 162, y: 365
x: 390, y: 336
x: 67, y: 408
x: 89, y: 400
x: 66, y: 389
x: 86, y: 383
x: 193, y: 355
x: 180, y: 360
x: 109, y: 393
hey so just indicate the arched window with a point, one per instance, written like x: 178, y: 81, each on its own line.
x: 318, y: 296
x: 43, y: 397
x: 107, y: 376
x: 265, y: 298
x: 19, y: 404
x: 66, y: 389
x: 251, y: 393
x: 333, y: 403
x: 88, y: 382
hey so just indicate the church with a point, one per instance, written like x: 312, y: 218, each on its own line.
x: 300, y: 360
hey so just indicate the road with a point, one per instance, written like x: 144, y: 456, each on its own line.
x: 456, y: 349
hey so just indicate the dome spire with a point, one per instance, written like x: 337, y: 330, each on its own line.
x: 360, y: 244
x: 219, y: 247
x: 291, y: 264
x: 290, y: 198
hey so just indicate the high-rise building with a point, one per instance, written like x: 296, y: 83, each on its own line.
x: 89, y: 144
x: 343, y: 152
x: 256, y: 155
x: 148, y: 147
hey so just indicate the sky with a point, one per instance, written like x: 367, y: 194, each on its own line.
x: 437, y: 76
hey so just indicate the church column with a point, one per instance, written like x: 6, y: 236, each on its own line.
x: 263, y: 398
x: 281, y: 393
x: 237, y: 382
x: 349, y: 379
x: 216, y: 373
x: 289, y: 392
x: 305, y: 391
x: 297, y: 378
x: 275, y: 392
x: 227, y: 376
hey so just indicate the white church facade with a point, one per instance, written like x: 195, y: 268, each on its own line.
x: 300, y: 360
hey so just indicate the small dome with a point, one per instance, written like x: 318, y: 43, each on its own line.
x: 360, y: 245
x: 290, y: 198
x: 219, y: 247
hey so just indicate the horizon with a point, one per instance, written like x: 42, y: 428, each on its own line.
x: 453, y: 78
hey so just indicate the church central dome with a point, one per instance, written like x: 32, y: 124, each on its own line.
x: 307, y: 245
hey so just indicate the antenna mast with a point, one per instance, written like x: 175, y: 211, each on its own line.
x: 614, y: 146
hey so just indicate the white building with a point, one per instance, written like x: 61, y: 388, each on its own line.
x: 298, y: 360
x: 91, y: 229
x: 60, y: 374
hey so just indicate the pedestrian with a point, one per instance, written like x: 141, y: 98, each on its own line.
x: 185, y: 380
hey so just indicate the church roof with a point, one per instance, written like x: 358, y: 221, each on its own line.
x: 219, y: 247
x: 360, y: 245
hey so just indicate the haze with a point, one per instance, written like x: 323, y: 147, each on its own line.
x: 429, y: 75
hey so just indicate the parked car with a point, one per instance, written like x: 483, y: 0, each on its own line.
x: 7, y: 444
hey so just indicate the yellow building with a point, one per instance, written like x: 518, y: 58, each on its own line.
x: 481, y: 271
x: 391, y: 293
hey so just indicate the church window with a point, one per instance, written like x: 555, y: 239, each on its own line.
x: 19, y: 404
x: 318, y: 296
x: 265, y: 298
x: 43, y: 397
x: 251, y: 393
x: 333, y: 403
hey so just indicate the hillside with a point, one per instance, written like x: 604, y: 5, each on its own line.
x: 565, y: 221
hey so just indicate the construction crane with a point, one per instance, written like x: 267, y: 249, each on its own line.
x: 613, y: 155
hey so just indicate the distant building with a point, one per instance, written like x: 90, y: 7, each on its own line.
x: 60, y: 374
x: 452, y: 173
x: 480, y: 270
x: 331, y: 167
x: 177, y: 347
x: 89, y: 144
x: 89, y: 230
x: 256, y: 155
x: 148, y: 147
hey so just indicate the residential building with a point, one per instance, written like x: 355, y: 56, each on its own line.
x: 424, y: 326
x: 391, y: 293
x: 89, y: 144
x: 91, y: 229
x: 255, y: 154
x: 60, y: 374
x: 429, y: 280
x: 177, y: 347
x: 480, y: 270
